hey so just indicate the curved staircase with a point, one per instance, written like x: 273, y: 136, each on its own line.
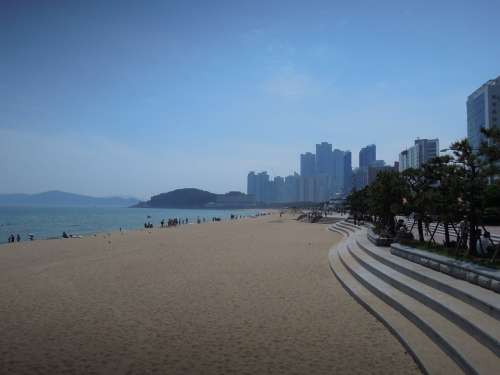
x: 449, y: 326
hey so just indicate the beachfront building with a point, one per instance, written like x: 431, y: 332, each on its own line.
x: 292, y: 188
x: 323, y: 175
x: 367, y: 155
x: 307, y: 164
x: 421, y: 152
x: 347, y: 172
x: 483, y: 109
x: 278, y: 190
x: 359, y: 178
x: 324, y: 155
x: 251, y: 183
x: 307, y: 188
x: 263, y: 188
x: 337, y: 172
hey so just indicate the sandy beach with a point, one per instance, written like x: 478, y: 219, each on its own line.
x: 253, y: 296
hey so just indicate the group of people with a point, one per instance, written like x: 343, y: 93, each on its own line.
x: 13, y: 238
x: 173, y: 222
x: 167, y: 223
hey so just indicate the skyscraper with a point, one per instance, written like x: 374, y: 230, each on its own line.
x: 367, y: 155
x: 307, y: 164
x: 338, y: 171
x: 278, y: 191
x: 483, y: 107
x: 420, y: 153
x: 292, y: 188
x: 263, y: 187
x: 427, y: 149
x: 360, y: 178
x: 324, y: 158
x: 251, y: 183
x: 347, y: 172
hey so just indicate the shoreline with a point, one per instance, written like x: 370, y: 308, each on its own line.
x: 117, y: 229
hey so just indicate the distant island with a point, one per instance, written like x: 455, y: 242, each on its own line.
x: 63, y: 199
x: 196, y: 198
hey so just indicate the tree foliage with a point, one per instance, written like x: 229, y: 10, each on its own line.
x: 461, y: 187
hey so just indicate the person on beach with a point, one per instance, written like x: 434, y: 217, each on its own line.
x: 18, y: 238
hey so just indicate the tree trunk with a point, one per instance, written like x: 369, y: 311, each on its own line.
x: 420, y: 230
x: 446, y: 235
x: 392, y: 225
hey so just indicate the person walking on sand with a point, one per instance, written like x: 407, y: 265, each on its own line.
x: 18, y: 238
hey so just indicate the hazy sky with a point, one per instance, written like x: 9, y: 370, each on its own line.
x: 140, y: 97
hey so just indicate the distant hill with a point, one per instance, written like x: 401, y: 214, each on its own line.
x: 180, y: 198
x: 60, y: 198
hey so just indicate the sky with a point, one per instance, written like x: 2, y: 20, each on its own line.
x: 134, y: 98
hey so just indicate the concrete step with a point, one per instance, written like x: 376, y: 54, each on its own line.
x: 343, y: 224
x: 467, y: 352
x: 338, y: 229
x: 427, y: 354
x: 485, y: 300
x: 484, y: 328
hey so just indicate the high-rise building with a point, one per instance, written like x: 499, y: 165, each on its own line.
x: 292, y: 188
x: 420, y: 153
x: 278, y: 190
x: 338, y: 171
x: 367, y: 155
x: 324, y: 158
x: 403, y: 162
x: 263, y: 188
x: 360, y: 178
x: 251, y: 183
x: 307, y: 187
x: 347, y: 172
x: 427, y: 149
x: 307, y: 164
x: 483, y: 109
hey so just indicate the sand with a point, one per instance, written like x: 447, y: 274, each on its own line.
x: 254, y: 296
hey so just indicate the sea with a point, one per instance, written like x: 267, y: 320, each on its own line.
x: 51, y: 222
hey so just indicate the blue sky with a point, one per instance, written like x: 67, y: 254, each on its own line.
x: 140, y: 97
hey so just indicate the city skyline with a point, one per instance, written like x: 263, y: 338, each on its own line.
x: 325, y: 174
x: 119, y: 98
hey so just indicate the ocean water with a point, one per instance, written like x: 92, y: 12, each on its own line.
x: 50, y: 222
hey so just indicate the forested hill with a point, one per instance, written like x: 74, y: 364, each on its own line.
x: 180, y: 198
